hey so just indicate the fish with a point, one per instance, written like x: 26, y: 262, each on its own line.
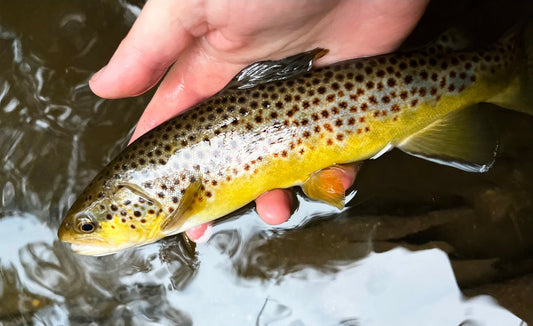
x: 284, y: 123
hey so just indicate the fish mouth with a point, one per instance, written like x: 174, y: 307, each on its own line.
x: 90, y: 250
x: 102, y: 248
x: 91, y: 246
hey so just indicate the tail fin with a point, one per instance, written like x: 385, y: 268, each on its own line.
x: 519, y: 95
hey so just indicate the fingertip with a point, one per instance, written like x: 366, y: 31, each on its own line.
x: 126, y: 74
x: 197, y: 233
x: 96, y: 76
x: 274, y: 207
x: 155, y: 41
x: 93, y: 82
x: 349, y: 174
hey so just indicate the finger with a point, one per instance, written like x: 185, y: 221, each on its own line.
x: 274, y: 207
x: 185, y: 85
x: 197, y: 232
x: 155, y: 41
x: 348, y: 173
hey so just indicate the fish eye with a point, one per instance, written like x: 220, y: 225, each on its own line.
x: 85, y: 224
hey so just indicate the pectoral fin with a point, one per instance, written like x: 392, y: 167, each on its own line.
x: 462, y: 139
x: 176, y: 219
x: 326, y: 186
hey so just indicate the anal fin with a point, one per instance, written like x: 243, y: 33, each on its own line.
x: 462, y: 139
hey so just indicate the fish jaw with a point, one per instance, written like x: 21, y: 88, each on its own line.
x: 91, y: 250
x: 95, y: 246
x: 91, y: 246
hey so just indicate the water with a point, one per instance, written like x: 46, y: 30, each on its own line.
x: 418, y: 244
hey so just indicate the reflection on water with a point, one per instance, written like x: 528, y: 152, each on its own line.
x: 467, y: 234
x: 44, y: 283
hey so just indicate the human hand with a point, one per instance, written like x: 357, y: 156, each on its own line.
x: 208, y: 42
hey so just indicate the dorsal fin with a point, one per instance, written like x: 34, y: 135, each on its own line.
x: 272, y: 70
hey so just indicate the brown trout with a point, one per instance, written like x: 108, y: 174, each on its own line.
x: 279, y: 124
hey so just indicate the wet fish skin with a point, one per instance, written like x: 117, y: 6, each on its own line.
x: 225, y: 152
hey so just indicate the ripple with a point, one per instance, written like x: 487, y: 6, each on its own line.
x: 8, y: 194
x: 272, y: 311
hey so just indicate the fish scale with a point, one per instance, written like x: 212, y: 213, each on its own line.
x: 244, y: 142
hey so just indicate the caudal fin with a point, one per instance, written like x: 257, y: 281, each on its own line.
x: 519, y: 95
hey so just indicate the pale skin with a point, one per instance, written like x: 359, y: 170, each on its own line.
x: 203, y: 44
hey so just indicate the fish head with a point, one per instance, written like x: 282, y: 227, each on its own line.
x: 122, y: 217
